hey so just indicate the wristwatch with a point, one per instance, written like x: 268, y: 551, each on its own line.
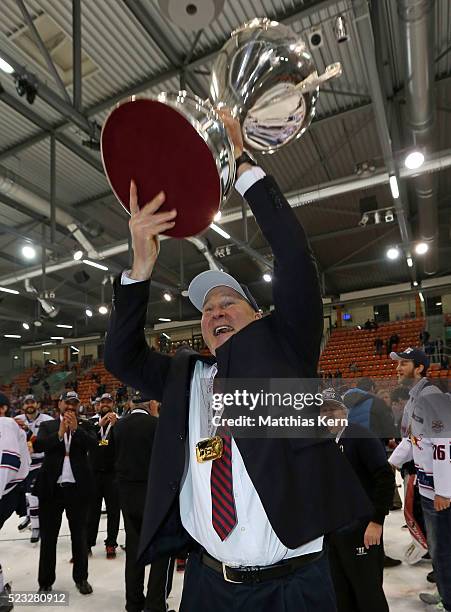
x: 245, y: 158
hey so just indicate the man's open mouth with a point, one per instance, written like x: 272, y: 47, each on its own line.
x: 222, y: 329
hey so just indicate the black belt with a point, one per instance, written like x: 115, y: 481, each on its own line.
x: 255, y: 574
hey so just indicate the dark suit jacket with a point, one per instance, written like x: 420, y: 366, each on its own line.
x: 133, y: 439
x: 83, y: 441
x: 307, y: 488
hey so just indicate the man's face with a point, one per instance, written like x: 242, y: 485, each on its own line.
x: 69, y: 406
x: 4, y: 410
x: 106, y: 405
x: 30, y: 407
x: 407, y: 372
x: 224, y: 313
x: 333, y: 410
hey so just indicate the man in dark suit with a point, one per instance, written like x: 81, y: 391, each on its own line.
x: 64, y: 483
x: 256, y: 539
x: 105, y: 483
x: 133, y: 440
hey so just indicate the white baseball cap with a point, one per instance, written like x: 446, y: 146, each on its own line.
x: 208, y: 280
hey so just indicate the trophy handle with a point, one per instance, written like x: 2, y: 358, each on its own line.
x: 313, y: 80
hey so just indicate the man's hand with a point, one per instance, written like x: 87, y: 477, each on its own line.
x: 112, y: 417
x: 233, y: 129
x: 441, y: 503
x: 62, y: 428
x: 71, y: 421
x: 145, y: 225
x: 103, y: 421
x: 372, y: 535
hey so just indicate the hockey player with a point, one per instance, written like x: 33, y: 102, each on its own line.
x: 30, y: 422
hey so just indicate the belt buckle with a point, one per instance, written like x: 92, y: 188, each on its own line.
x: 226, y: 578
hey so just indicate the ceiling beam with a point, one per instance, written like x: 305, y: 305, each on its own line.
x: 29, y: 114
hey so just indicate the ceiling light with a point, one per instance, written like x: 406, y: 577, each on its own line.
x: 377, y: 217
x: 46, y: 352
x: 166, y: 336
x: 52, y: 361
x: 217, y: 216
x: 94, y: 264
x: 56, y: 337
x: 46, y: 343
x: 16, y: 356
x: 394, y: 187
x: 12, y: 336
x: 103, y: 310
x: 415, y: 283
x: 63, y: 325
x: 267, y: 277
x: 163, y: 320
x: 438, y: 303
x: 421, y: 296
x: 392, y: 253
x: 421, y: 248
x: 167, y: 296
x: 219, y: 231
x: 364, y: 220
x: 414, y: 160
x: 88, y: 312
x: 5, y: 66
x: 28, y: 252
x: 78, y: 255
x: 410, y: 262
x: 6, y: 290
x: 26, y: 326
x: 389, y: 216
x: 74, y: 348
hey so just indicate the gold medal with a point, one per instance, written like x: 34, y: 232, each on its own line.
x: 209, y: 449
x: 103, y: 443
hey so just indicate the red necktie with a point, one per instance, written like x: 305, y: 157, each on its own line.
x: 223, y: 513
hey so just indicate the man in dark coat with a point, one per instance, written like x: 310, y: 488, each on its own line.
x: 133, y: 440
x: 256, y: 531
x: 64, y: 483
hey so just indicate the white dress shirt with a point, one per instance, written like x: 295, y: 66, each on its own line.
x: 67, y: 474
x: 253, y: 540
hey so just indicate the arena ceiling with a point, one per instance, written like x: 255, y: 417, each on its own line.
x: 364, y: 126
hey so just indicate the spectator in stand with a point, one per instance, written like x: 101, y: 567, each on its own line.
x: 338, y: 373
x: 367, y: 325
x: 384, y: 394
x: 399, y: 397
x: 354, y: 368
x: 393, y: 342
x: 379, y: 346
x: 424, y: 337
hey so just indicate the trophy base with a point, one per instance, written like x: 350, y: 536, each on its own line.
x: 157, y: 146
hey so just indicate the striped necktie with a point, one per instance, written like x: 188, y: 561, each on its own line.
x: 223, y: 512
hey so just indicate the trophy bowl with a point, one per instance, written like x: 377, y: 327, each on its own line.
x: 258, y: 75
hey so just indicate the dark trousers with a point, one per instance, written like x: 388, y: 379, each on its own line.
x: 8, y: 503
x: 132, y: 498
x: 357, y: 572
x: 105, y: 487
x: 50, y: 515
x: 308, y: 589
x: 438, y: 528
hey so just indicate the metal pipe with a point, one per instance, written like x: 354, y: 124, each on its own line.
x: 10, y: 187
x: 52, y: 188
x: 76, y: 53
x: 417, y: 19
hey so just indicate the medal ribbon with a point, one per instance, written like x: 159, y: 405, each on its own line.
x: 102, y: 435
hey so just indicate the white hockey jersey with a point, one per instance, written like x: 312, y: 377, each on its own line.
x: 14, y: 455
x: 428, y: 440
x: 33, y: 426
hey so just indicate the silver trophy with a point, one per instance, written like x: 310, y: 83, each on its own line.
x: 266, y: 77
